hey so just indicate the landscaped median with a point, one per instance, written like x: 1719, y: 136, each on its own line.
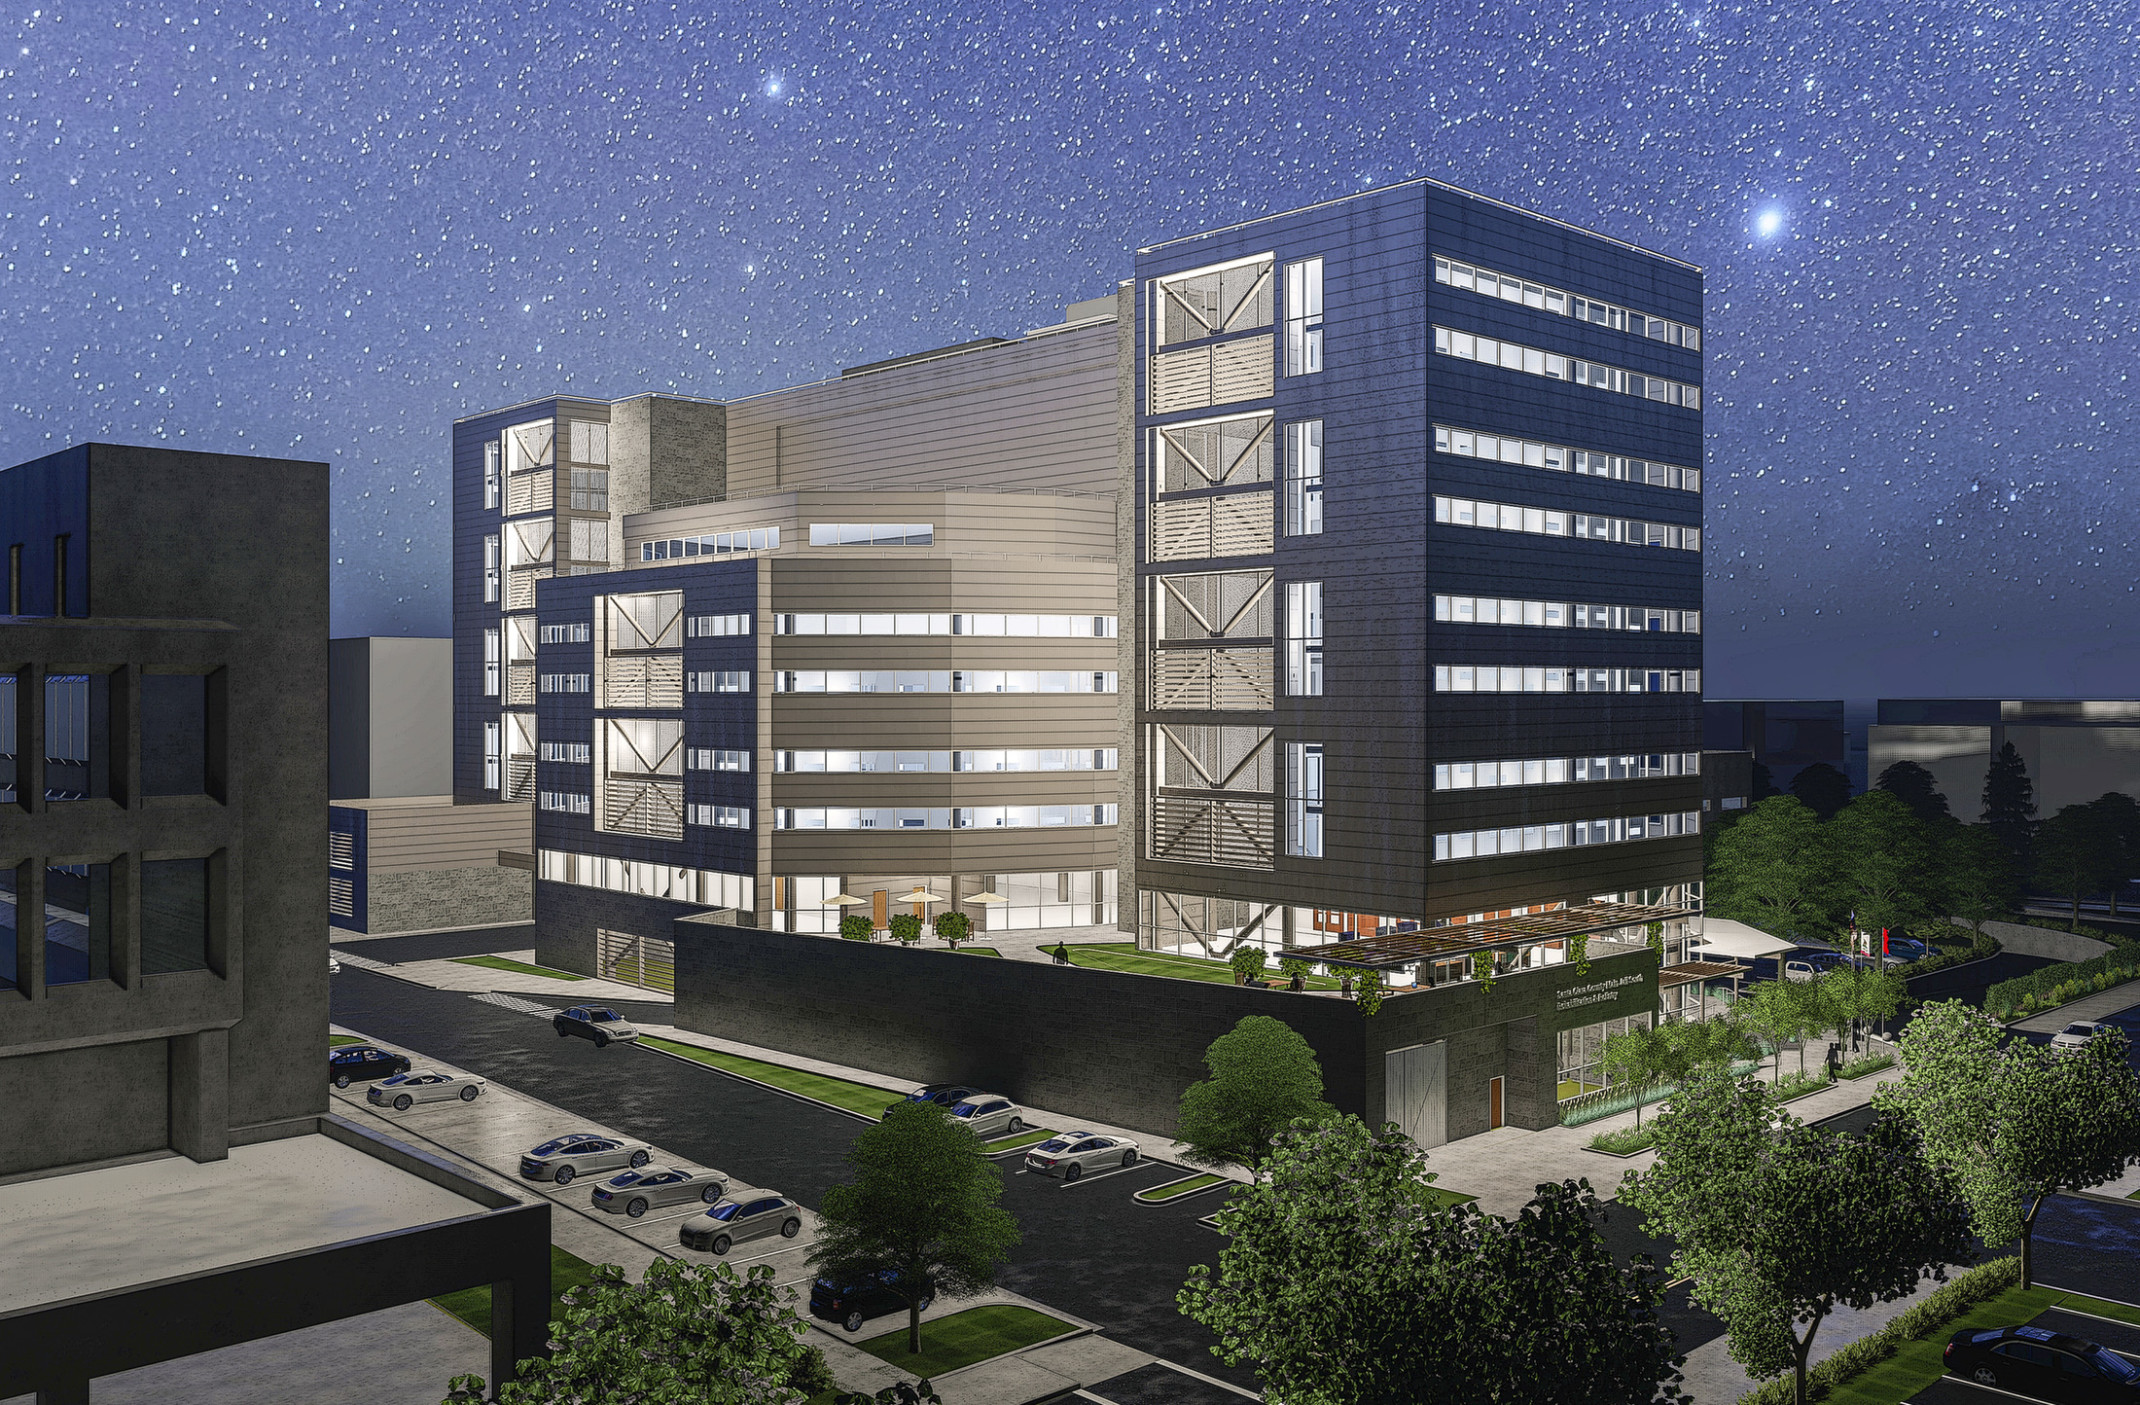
x: 2051, y: 986
x: 518, y: 968
x: 857, y: 1098
x: 968, y: 1338
x: 1901, y: 1359
x: 1175, y: 1190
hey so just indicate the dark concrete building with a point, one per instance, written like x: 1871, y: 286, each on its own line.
x: 163, y: 971
x: 2075, y: 749
x: 1784, y: 735
x: 1417, y: 606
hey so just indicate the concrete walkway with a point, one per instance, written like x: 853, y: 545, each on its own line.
x: 1711, y: 1377
x: 2099, y: 1006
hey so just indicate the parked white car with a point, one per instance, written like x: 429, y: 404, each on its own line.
x: 562, y: 1159
x: 1072, y: 1154
x: 988, y: 1115
x: 423, y: 1085
x: 2074, y: 1035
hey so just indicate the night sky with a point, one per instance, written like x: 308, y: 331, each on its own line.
x: 326, y: 230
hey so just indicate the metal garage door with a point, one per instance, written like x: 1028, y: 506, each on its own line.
x: 1415, y: 1091
x: 647, y: 962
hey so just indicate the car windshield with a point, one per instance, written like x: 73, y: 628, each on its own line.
x: 2113, y: 1365
x: 604, y: 1015
x: 554, y: 1147
x: 1054, y: 1144
x: 2080, y: 1029
x: 625, y: 1179
x: 725, y: 1211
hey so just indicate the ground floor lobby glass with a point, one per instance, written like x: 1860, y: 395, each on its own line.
x: 1582, y: 1053
x: 1030, y: 901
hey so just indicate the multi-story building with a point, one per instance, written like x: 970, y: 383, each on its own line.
x: 1416, y: 482
x: 853, y: 641
x: 1782, y: 735
x: 163, y: 955
x: 2075, y: 749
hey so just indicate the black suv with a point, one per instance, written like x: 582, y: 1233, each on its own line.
x: 851, y: 1305
x: 2037, y: 1361
x: 361, y: 1063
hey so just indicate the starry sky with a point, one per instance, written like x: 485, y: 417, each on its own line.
x: 327, y: 229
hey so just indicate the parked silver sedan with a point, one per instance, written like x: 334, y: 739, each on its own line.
x: 423, y: 1085
x: 1074, y: 1153
x: 733, y: 1221
x: 651, y: 1187
x: 577, y: 1153
x: 988, y: 1115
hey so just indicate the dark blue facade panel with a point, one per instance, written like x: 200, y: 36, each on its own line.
x: 1592, y: 265
x: 42, y: 501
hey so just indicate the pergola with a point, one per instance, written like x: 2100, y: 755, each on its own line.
x: 1392, y: 950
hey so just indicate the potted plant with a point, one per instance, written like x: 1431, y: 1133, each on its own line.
x: 953, y: 927
x: 1297, y: 970
x: 1247, y: 963
x: 857, y: 927
x: 905, y: 927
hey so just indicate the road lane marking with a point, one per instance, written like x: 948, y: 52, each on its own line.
x: 1207, y: 1380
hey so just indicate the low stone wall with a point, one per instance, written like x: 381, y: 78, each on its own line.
x: 2047, y: 942
x: 424, y: 900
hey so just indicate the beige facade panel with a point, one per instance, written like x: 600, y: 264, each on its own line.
x: 429, y: 832
x: 1035, y: 413
x: 995, y: 525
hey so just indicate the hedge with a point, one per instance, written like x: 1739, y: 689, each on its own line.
x: 2049, y: 986
x: 1979, y: 1285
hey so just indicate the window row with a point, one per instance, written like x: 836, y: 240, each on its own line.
x: 568, y: 682
x: 577, y: 633
x: 728, y: 680
x: 702, y: 886
x: 1524, y: 839
x: 711, y: 544
x: 1552, y: 522
x: 716, y: 626
x: 718, y: 816
x: 566, y: 802
x: 1541, y: 298
x: 940, y: 680
x: 576, y: 753
x: 80, y: 915
x: 953, y: 817
x: 872, y: 534
x: 1561, y: 770
x: 984, y: 626
x: 1027, y: 759
x: 1530, y: 453
x: 1556, y: 614
x: 1304, y: 639
x: 1470, y: 678
x: 706, y: 758
x: 1304, y: 800
x: 1510, y: 356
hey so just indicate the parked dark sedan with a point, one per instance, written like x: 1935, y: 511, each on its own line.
x: 604, y: 1027
x: 945, y: 1095
x: 361, y: 1063
x: 853, y: 1304
x: 2049, y: 1365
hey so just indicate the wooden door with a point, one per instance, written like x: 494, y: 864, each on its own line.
x: 880, y: 908
x: 1493, y: 1103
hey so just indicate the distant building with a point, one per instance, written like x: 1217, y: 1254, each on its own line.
x: 1784, y: 735
x: 389, y: 718
x: 2075, y: 749
x: 1727, y: 781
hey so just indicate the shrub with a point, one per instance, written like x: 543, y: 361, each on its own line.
x: 953, y: 927
x: 1968, y: 1290
x: 905, y: 927
x: 1296, y: 966
x: 2055, y: 985
x: 1371, y: 982
x: 1247, y: 963
x: 1797, y: 1084
x: 1871, y: 1063
x: 857, y: 928
x: 1625, y: 1140
x: 812, y: 1374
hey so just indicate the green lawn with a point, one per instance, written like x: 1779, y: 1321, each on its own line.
x: 336, y: 1041
x: 518, y: 968
x: 977, y: 951
x: 1126, y: 956
x: 1031, y: 1138
x: 963, y: 1338
x: 1161, y: 1194
x: 855, y: 1097
x: 1918, y: 1363
x: 1450, y: 1197
x: 472, y: 1305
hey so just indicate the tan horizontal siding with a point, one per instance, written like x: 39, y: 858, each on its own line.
x: 458, y: 836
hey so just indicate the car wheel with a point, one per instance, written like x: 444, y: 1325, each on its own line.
x: 722, y: 1244
x: 1984, y: 1375
x: 341, y: 1080
x: 601, y: 1040
x: 712, y: 1194
x: 854, y: 1322
x: 1129, y: 1158
x: 563, y: 1032
x: 637, y: 1207
x: 1073, y: 1171
x: 789, y: 1228
x: 468, y: 1094
x: 639, y: 1158
x: 1017, y: 1125
x: 565, y: 1175
x: 404, y: 1103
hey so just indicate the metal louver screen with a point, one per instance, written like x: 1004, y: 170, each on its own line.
x: 646, y: 962
x: 520, y: 779
x: 530, y: 492
x: 655, y: 680
x: 1218, y: 758
x: 1236, y: 451
x: 1235, y: 833
x: 652, y: 808
x: 1224, y: 605
x: 341, y: 850
x: 520, y: 587
x: 1207, y: 302
x: 520, y: 685
x: 341, y: 897
x: 1216, y: 680
x: 1243, y: 370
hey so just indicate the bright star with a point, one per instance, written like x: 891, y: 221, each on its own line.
x: 1768, y: 223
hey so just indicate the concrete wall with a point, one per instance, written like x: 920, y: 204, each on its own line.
x: 126, y: 1083
x: 1114, y: 1046
x: 2042, y: 941
x: 427, y: 899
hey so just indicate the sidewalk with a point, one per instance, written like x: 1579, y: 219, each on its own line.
x: 1711, y: 1377
x: 2099, y: 1006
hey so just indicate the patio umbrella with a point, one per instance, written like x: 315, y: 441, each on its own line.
x: 843, y: 900
x: 922, y: 895
x: 987, y: 898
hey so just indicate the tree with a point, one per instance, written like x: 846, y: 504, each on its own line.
x: 1779, y: 1223
x: 1247, y: 962
x: 1263, y: 1075
x: 2076, y: 853
x: 905, y: 928
x: 2012, y: 1122
x: 1977, y: 875
x: 1822, y: 788
x: 922, y: 1208
x: 2010, y: 801
x: 689, y: 1334
x: 1768, y: 869
x: 1641, y: 1056
x: 1761, y: 785
x: 1884, y: 861
x: 953, y: 928
x: 1913, y: 785
x: 1852, y: 995
x: 1770, y: 1012
x: 2120, y: 815
x: 1703, y: 1045
x: 1347, y: 1282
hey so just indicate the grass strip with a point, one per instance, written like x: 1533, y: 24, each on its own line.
x: 977, y: 951
x: 1450, y: 1197
x: 964, y: 1338
x: 1129, y: 957
x: 472, y: 1305
x: 854, y: 1097
x: 518, y: 968
x: 1626, y: 1141
x: 336, y: 1041
x: 1160, y: 1194
x: 1014, y: 1143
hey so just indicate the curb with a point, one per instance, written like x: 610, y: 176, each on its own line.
x: 756, y: 1082
x: 1217, y: 1184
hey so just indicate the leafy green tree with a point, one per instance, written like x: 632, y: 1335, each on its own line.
x: 1976, y: 873
x: 1853, y: 996
x: 857, y: 927
x: 1263, y: 1076
x: 2076, y: 853
x: 688, y: 1334
x: 1641, y: 1056
x: 1771, y: 1012
x: 1347, y: 1282
x: 1823, y: 789
x: 1769, y: 869
x: 2120, y: 815
x: 1913, y: 785
x: 1703, y: 1045
x: 2012, y: 1122
x: 953, y: 928
x: 922, y: 1206
x: 2010, y: 801
x: 905, y: 928
x: 1247, y: 962
x: 1778, y: 1223
x: 1884, y: 860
